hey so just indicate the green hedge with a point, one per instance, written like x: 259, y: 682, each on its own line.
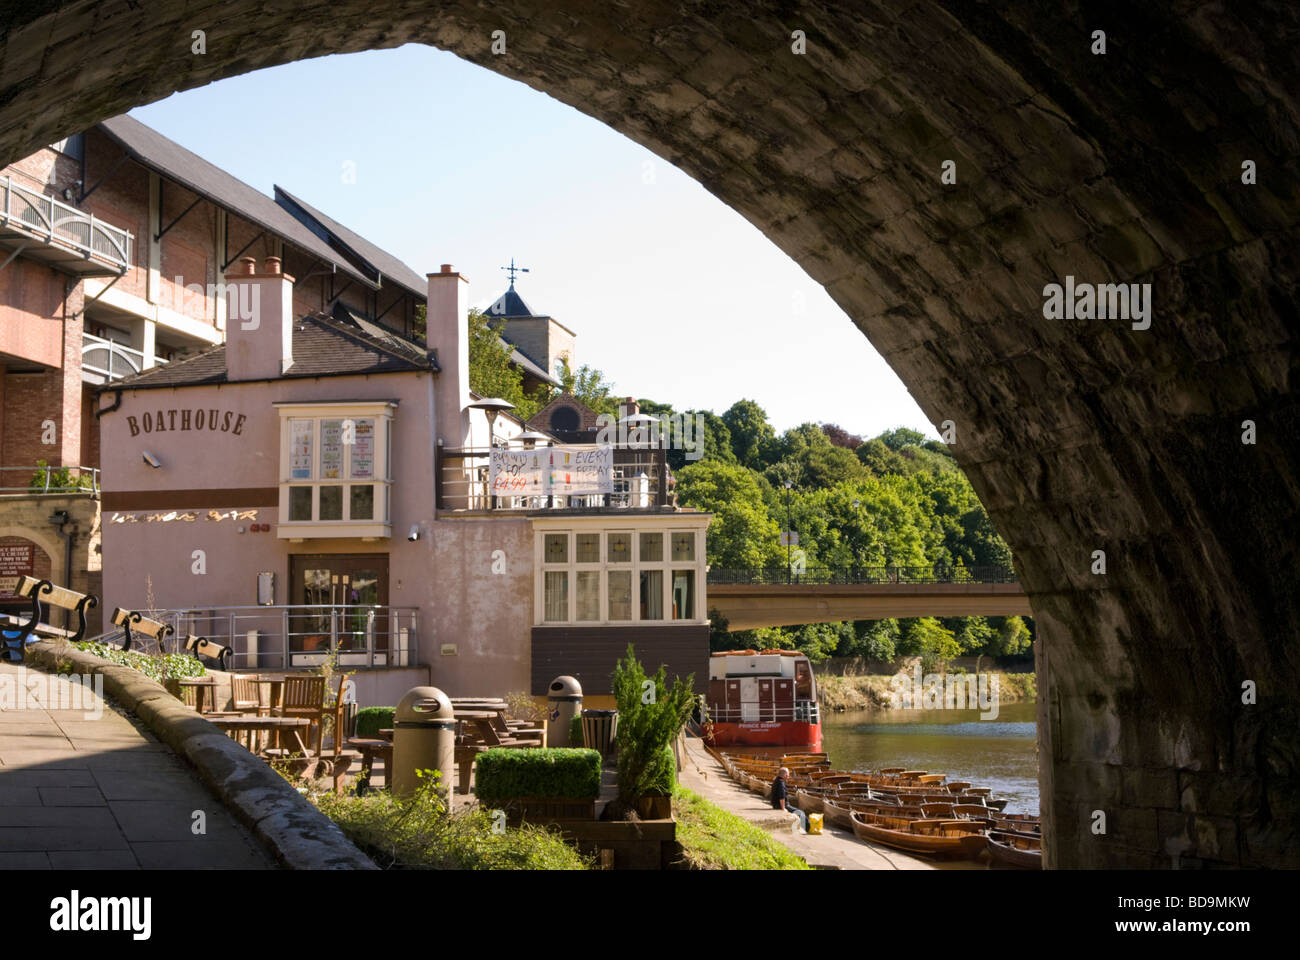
x: 503, y: 774
x: 177, y: 665
x: 370, y: 720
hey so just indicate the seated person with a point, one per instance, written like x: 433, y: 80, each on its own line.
x: 780, y: 795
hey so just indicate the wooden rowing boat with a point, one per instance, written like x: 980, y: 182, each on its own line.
x: 1016, y: 849
x: 955, y: 839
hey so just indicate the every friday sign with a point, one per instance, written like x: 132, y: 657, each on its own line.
x: 552, y: 471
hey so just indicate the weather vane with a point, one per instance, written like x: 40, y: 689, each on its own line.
x: 512, y: 270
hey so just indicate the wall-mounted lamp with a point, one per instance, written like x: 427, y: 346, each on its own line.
x: 150, y: 459
x: 415, y: 533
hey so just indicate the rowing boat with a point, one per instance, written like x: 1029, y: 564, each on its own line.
x: 958, y: 839
x: 1016, y: 849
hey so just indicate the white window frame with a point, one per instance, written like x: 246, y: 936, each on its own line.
x: 379, y: 525
x: 605, y: 525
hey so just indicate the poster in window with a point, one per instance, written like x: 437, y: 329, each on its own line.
x: 17, y: 560
x: 300, y: 435
x: 363, y: 450
x: 331, y: 449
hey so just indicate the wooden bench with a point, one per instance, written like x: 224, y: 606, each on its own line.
x: 42, y: 594
x: 133, y: 622
x: 203, y: 647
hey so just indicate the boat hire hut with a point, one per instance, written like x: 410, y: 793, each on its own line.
x: 321, y: 483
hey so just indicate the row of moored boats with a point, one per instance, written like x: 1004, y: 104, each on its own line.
x: 912, y: 810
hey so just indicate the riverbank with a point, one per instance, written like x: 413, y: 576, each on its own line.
x: 833, y: 849
x: 873, y: 691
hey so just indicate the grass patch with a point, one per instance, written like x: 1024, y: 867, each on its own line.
x: 713, y: 839
x: 416, y: 833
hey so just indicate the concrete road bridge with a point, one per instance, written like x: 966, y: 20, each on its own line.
x: 1104, y: 143
x: 749, y: 599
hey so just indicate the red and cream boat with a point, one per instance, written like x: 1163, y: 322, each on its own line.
x: 762, y: 699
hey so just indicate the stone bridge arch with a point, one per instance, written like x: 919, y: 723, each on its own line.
x: 1079, y: 434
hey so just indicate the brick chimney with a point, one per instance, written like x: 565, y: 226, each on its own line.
x: 259, y: 320
x: 447, y: 332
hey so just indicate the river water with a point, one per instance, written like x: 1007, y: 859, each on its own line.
x: 990, y: 753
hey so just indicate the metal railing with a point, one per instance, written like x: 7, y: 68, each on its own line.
x: 48, y: 479
x: 936, y: 573
x: 110, y: 359
x: 304, y: 635
x: 638, y: 475
x: 801, y: 711
x: 55, y: 221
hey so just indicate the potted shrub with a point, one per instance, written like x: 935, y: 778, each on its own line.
x: 651, y: 715
x: 539, y: 785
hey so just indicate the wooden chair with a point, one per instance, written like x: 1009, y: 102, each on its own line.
x: 42, y: 594
x: 245, y: 698
x: 305, y: 697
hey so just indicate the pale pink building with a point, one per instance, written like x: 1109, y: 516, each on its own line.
x: 317, y: 483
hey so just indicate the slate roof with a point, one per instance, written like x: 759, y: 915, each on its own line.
x: 323, y: 346
x: 510, y: 304
x: 378, y: 263
x: 151, y: 149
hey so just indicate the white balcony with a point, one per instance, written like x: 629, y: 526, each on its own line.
x: 105, y: 360
x: 68, y: 239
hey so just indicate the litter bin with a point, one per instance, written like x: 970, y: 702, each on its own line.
x: 564, y: 702
x: 424, y: 738
x: 599, y: 728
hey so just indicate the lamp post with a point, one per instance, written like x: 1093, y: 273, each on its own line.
x: 789, y: 534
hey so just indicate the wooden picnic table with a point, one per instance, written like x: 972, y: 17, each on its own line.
x: 201, y: 687
x: 277, y: 725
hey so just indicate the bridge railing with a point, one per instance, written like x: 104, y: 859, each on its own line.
x: 936, y: 573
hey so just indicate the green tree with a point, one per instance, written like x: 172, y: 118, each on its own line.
x: 742, y: 534
x: 752, y: 437
x: 589, y: 386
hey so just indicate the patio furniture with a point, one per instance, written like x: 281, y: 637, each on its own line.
x: 304, y: 697
x: 371, y: 750
x: 134, y: 622
x: 194, y: 693
x: 275, y: 725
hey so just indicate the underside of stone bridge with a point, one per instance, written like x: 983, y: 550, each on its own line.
x: 1080, y: 434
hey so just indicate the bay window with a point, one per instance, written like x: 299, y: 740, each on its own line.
x: 335, y: 469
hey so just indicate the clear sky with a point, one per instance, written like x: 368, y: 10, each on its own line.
x: 672, y: 294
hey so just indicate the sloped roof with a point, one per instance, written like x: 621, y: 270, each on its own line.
x: 323, y: 346
x: 510, y: 304
x: 379, y: 263
x: 151, y: 149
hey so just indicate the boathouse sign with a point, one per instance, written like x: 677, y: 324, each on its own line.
x: 187, y: 419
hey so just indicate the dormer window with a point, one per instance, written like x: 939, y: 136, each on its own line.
x: 335, y: 469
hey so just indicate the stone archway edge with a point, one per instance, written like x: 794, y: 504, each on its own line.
x: 296, y: 833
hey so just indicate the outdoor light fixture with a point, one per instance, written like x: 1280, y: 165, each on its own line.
x: 150, y: 459
x: 415, y: 533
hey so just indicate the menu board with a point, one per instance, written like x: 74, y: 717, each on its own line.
x: 300, y: 437
x: 15, y: 563
x: 331, y: 449
x: 363, y: 450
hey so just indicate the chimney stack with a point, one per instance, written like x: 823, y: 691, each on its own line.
x: 447, y: 332
x: 259, y: 320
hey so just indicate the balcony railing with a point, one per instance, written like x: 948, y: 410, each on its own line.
x: 55, y: 222
x: 47, y: 479
x: 303, y: 635
x: 638, y: 479
x: 110, y: 360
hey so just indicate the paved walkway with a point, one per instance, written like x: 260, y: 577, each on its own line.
x: 834, y: 848
x: 85, y: 792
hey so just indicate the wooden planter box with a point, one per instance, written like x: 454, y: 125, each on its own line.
x: 655, y: 806
x: 546, y: 809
